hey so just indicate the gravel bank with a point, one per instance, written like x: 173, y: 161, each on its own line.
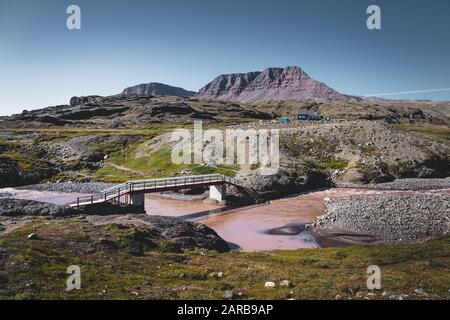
x: 5, y: 194
x: 402, y: 184
x: 69, y: 187
x: 386, y: 218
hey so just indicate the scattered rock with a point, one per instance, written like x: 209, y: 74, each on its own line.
x: 286, y: 283
x: 387, y: 293
x: 32, y: 236
x: 228, y: 295
x: 421, y: 292
x: 395, y: 297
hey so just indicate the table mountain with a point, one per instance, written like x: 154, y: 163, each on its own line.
x: 290, y: 83
x: 159, y: 89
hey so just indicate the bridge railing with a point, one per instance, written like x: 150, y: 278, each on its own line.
x: 137, y: 185
x: 107, y: 194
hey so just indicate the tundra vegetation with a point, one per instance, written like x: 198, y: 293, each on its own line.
x: 120, y: 263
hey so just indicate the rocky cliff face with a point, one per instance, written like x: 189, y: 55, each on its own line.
x: 290, y: 83
x: 159, y: 89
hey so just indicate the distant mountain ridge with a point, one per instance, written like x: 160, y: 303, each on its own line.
x: 290, y: 83
x: 157, y: 89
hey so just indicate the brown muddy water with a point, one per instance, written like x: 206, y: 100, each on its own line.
x: 273, y: 226
x: 276, y: 225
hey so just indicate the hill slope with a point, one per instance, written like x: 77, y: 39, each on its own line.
x: 160, y: 89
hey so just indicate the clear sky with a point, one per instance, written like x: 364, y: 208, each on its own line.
x: 189, y: 42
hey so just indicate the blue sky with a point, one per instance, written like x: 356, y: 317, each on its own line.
x: 189, y: 42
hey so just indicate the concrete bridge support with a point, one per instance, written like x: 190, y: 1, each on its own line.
x: 217, y: 192
x: 138, y: 200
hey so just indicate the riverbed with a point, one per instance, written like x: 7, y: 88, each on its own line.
x: 278, y: 224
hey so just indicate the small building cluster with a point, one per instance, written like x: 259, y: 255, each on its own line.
x: 302, y: 115
x: 308, y: 115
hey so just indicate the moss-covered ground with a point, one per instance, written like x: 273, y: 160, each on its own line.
x: 118, y: 264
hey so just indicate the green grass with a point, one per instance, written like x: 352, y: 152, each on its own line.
x: 156, y: 271
x: 336, y: 164
x: 157, y: 164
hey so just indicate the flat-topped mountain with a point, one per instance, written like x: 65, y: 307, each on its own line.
x: 290, y: 83
x: 158, y: 89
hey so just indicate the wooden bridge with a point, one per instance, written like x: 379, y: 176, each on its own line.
x: 132, y: 192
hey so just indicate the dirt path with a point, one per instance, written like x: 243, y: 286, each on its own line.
x: 119, y: 167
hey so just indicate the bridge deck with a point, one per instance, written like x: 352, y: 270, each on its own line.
x: 152, y: 185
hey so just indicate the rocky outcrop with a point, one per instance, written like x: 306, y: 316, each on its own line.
x: 74, y: 101
x: 143, y: 230
x: 12, y: 175
x: 180, y: 234
x: 258, y: 187
x: 158, y: 89
x: 20, y: 208
x: 290, y: 83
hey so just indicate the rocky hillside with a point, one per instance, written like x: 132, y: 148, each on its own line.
x: 158, y: 89
x: 359, y: 151
x: 271, y: 84
x: 132, y: 111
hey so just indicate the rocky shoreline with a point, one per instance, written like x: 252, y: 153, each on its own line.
x: 69, y: 187
x: 21, y: 208
x: 145, y: 230
x: 402, y: 184
x: 408, y: 218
